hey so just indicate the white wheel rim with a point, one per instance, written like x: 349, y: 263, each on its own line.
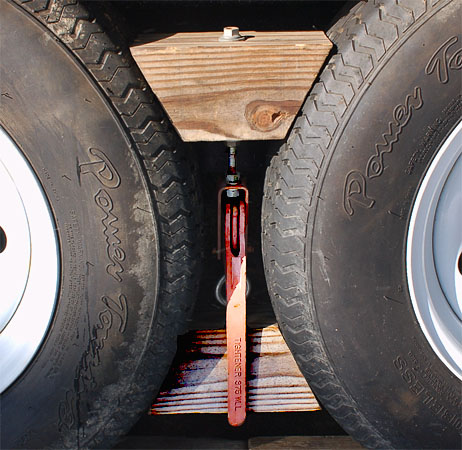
x: 29, y: 263
x: 433, y: 254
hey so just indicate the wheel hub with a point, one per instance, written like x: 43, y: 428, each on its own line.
x: 29, y: 262
x: 434, y: 250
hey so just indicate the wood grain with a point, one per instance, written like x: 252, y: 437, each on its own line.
x: 245, y: 90
x: 198, y: 384
x: 303, y: 443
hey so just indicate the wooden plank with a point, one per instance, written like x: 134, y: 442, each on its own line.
x: 176, y: 442
x: 303, y: 442
x: 198, y: 384
x: 244, y: 90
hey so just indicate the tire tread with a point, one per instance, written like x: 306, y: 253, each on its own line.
x: 362, y: 38
x: 172, y: 180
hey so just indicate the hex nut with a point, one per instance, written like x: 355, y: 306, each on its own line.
x: 231, y: 34
x: 232, y: 193
x: 233, y: 178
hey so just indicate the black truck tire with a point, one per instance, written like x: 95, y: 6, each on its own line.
x: 120, y: 207
x: 342, y: 235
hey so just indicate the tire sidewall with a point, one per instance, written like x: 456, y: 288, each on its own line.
x: 83, y: 159
x: 359, y: 286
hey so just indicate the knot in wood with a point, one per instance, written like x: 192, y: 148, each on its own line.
x: 267, y: 116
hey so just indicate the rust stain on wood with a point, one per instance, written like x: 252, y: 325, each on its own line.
x: 245, y: 90
x: 198, y: 381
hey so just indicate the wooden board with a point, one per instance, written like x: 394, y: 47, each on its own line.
x: 303, y: 443
x: 198, y: 383
x: 175, y: 442
x: 244, y: 90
